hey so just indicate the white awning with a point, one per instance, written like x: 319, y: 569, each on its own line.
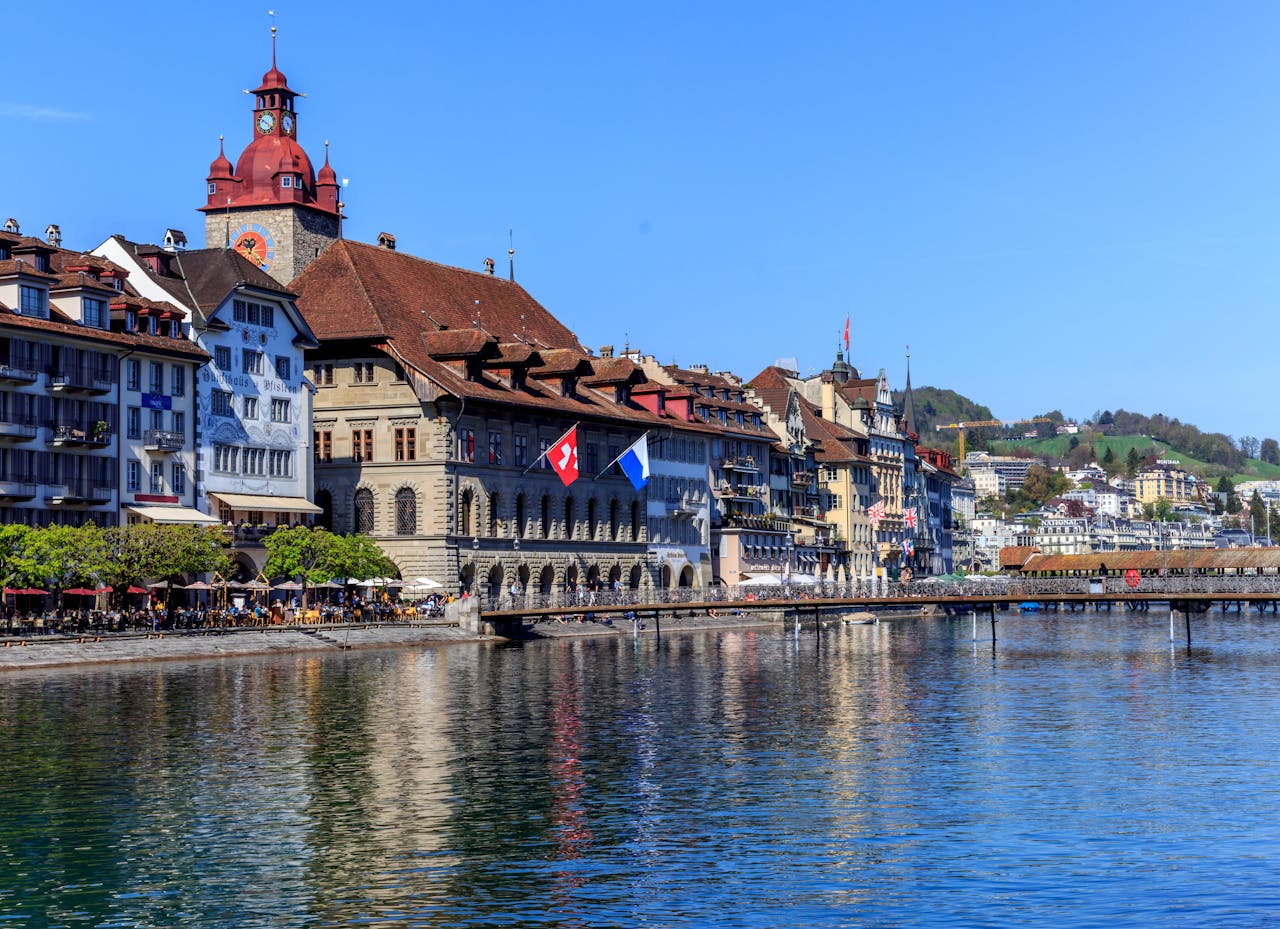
x: 173, y: 514
x: 267, y: 503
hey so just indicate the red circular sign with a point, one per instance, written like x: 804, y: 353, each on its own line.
x: 1132, y: 577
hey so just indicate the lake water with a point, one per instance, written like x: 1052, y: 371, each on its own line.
x: 1089, y: 774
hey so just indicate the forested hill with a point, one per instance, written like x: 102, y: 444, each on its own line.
x: 935, y: 406
x: 1211, y: 447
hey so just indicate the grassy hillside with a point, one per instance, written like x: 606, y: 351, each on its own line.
x: 1059, y: 446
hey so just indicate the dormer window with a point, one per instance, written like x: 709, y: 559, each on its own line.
x: 286, y: 181
x: 130, y: 320
x: 175, y: 329
x: 621, y: 394
x: 42, y: 262
x: 33, y: 301
x: 662, y: 403
x: 213, y: 188
x: 95, y: 312
x: 566, y: 387
x: 153, y: 325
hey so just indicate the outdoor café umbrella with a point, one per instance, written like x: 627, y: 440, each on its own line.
x: 34, y: 592
x: 256, y: 585
x: 136, y: 590
x: 198, y: 585
x: 289, y: 585
x: 80, y: 592
x: 426, y: 583
x: 162, y: 585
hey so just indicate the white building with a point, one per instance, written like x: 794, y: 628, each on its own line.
x: 253, y: 403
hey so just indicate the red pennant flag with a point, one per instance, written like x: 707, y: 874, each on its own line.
x: 564, y: 457
x: 846, y: 333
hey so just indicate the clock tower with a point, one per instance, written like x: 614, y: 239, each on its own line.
x: 273, y: 207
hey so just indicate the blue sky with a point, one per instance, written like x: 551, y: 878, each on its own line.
x: 1067, y: 205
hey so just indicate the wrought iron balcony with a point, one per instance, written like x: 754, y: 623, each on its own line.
x: 78, y: 491
x: 158, y: 440
x: 17, y: 432
x: 80, y: 380
x: 70, y: 435
x: 17, y: 490
x: 739, y: 463
x: 21, y: 372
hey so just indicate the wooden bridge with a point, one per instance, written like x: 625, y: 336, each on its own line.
x: 1185, y: 595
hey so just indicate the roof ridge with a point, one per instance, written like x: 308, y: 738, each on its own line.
x: 439, y: 264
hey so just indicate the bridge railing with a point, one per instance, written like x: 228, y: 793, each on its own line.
x: 1018, y: 588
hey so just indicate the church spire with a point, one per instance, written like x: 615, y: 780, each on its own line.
x: 908, y: 404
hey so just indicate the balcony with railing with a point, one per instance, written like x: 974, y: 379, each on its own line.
x: 80, y: 379
x: 89, y: 491
x: 18, y: 371
x: 741, y: 491
x: 11, y: 431
x: 80, y: 435
x: 158, y: 440
x: 802, y: 479
x: 739, y: 463
x: 17, y: 486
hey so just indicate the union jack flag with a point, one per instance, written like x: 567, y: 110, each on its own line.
x: 875, y: 512
x: 909, y: 517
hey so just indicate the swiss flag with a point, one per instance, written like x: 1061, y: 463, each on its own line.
x: 846, y: 333
x: 564, y: 457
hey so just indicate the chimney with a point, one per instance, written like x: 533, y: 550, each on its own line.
x: 698, y: 369
x: 488, y: 266
x: 387, y: 240
x: 174, y: 240
x: 606, y: 351
x: 11, y: 225
x: 53, y: 235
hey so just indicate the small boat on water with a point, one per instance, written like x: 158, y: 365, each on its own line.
x: 862, y: 618
x: 1029, y: 606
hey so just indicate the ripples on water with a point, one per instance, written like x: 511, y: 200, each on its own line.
x: 1086, y: 775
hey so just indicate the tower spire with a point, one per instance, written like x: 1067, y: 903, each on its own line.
x: 272, y: 14
x: 908, y: 404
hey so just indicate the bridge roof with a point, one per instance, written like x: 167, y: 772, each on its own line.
x: 1220, y: 559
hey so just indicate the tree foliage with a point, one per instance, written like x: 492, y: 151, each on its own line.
x: 1270, y: 451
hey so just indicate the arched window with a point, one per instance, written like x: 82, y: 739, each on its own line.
x: 495, y: 524
x: 519, y: 533
x: 406, y: 512
x: 364, y: 511
x: 324, y: 500
x: 464, y: 513
x: 568, y: 517
x: 546, y: 516
x: 591, y: 519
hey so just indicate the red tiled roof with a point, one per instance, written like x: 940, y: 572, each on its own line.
x: 1015, y: 556
x: 180, y: 347
x: 359, y: 291
x: 18, y: 266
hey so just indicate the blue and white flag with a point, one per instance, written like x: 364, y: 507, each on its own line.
x: 635, y: 462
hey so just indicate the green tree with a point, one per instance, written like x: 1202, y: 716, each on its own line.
x: 1132, y: 461
x: 1109, y: 461
x: 17, y: 567
x: 1257, y: 513
x: 1270, y: 451
x: 361, y: 559
x: 64, y: 556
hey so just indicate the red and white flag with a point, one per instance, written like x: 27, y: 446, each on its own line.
x: 909, y: 517
x: 846, y: 334
x: 875, y: 512
x: 564, y: 457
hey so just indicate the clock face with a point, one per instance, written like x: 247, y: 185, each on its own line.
x: 254, y: 242
x: 286, y: 123
x: 266, y: 122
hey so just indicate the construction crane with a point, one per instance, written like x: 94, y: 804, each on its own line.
x: 977, y: 423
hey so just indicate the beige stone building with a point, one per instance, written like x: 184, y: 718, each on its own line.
x: 437, y: 392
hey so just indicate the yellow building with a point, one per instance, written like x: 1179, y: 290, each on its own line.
x: 1166, y: 480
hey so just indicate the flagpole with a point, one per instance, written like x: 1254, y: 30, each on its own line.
x: 543, y: 454
x: 619, y: 458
